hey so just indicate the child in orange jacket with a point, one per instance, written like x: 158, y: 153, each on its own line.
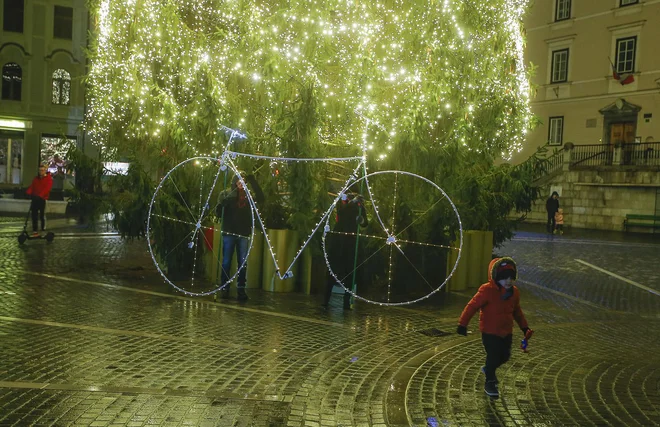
x: 498, y: 301
x: 559, y: 221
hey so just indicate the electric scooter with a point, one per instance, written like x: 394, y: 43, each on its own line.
x: 27, y: 236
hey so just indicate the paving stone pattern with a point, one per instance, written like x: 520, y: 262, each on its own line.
x: 90, y: 335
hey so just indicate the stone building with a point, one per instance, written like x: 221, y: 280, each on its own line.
x: 598, y: 88
x: 42, y: 100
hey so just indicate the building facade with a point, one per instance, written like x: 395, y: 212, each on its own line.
x: 597, y: 72
x: 42, y: 101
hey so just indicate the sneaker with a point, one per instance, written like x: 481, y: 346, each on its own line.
x: 242, y: 295
x: 491, y: 389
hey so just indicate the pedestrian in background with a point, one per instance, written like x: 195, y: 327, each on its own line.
x: 39, y: 190
x: 234, y: 209
x: 552, y: 206
x: 498, y: 302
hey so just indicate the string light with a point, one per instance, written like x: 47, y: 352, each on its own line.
x: 391, y: 239
x: 196, y: 225
x: 286, y: 273
x: 159, y: 69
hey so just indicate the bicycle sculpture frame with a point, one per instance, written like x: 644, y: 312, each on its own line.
x: 360, y: 175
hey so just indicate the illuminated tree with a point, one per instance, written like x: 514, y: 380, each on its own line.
x: 443, y: 71
x: 411, y: 77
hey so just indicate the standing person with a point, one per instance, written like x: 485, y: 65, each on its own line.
x: 342, y: 247
x: 498, y: 301
x: 39, y: 190
x: 559, y: 221
x: 234, y: 209
x: 552, y: 206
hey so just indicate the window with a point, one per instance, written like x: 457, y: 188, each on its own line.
x: 556, y: 130
x: 559, y: 66
x: 63, y: 23
x: 12, y: 77
x: 562, y: 10
x: 61, y: 87
x: 13, y: 16
x: 11, y: 157
x: 53, y: 152
x: 627, y: 2
x: 625, y: 55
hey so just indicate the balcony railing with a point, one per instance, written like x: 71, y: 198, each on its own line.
x: 592, y: 155
x: 642, y: 154
x: 550, y: 165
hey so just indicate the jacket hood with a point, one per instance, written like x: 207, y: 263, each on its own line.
x: 495, y: 263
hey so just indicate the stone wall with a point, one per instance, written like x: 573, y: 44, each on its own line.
x: 601, y: 198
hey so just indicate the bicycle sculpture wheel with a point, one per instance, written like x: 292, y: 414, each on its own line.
x: 183, y: 240
x: 408, y: 247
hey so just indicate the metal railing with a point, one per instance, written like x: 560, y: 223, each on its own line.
x: 642, y: 154
x: 549, y: 165
x: 592, y: 155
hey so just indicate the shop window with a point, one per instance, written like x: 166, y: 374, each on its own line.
x: 11, y: 157
x: 53, y: 152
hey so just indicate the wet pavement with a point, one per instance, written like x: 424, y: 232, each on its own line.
x: 90, y: 335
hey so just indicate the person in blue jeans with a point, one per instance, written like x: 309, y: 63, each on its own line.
x: 234, y: 209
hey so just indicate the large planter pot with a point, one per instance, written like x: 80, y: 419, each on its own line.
x: 313, y: 273
x: 472, y: 269
x: 285, y: 246
x: 255, y: 261
x: 213, y: 259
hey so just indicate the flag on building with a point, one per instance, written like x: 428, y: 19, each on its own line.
x: 623, y: 79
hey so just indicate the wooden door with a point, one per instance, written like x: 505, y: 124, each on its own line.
x: 616, y: 133
x: 629, y: 133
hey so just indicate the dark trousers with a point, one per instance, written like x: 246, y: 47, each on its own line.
x: 341, y: 254
x: 38, y: 207
x: 551, y: 222
x: 240, y: 245
x: 498, y: 352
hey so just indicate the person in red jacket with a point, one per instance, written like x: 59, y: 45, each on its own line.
x: 39, y: 190
x: 498, y: 301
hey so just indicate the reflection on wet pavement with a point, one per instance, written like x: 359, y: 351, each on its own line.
x: 92, y: 336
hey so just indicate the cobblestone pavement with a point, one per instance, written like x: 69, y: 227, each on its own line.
x: 90, y: 335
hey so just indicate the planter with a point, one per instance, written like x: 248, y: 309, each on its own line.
x: 285, y: 246
x: 256, y: 261
x: 476, y: 254
x: 313, y: 273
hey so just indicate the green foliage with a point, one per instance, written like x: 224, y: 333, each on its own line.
x: 87, y: 197
x: 130, y: 196
x: 484, y: 193
x: 442, y: 84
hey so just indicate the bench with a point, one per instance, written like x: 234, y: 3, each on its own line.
x: 643, y: 221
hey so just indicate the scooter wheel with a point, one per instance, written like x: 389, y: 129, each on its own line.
x: 50, y: 237
x: 21, y: 239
